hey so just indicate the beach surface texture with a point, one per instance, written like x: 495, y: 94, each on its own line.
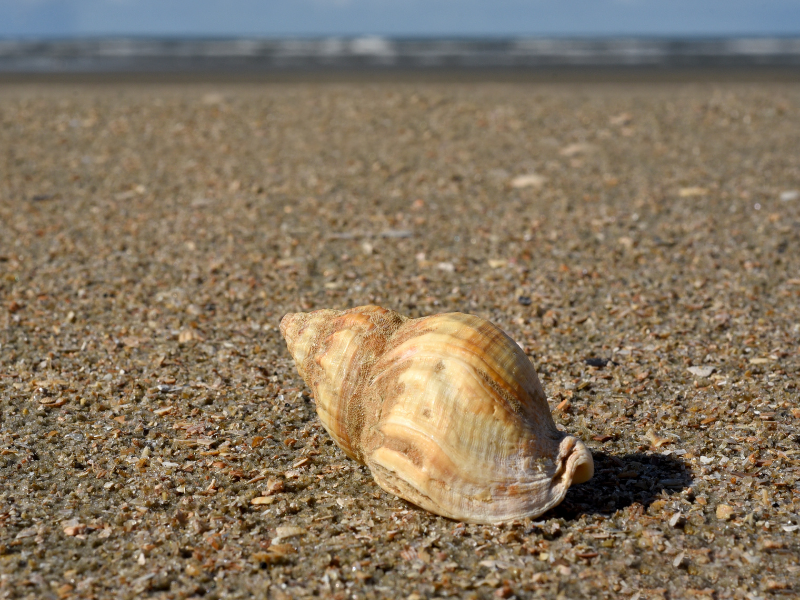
x: 639, y: 240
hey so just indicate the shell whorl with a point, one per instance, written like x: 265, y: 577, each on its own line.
x: 446, y: 411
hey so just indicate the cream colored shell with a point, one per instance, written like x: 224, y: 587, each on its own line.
x: 446, y: 410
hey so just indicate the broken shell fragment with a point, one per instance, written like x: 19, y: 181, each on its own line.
x: 446, y: 411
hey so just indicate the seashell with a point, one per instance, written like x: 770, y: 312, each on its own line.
x: 446, y: 411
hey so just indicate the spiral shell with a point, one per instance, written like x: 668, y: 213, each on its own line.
x: 446, y: 411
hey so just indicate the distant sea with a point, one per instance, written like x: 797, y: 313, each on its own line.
x: 144, y: 55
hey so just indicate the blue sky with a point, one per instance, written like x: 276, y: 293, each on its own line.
x: 269, y: 18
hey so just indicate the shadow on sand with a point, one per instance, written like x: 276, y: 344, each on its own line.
x: 622, y: 480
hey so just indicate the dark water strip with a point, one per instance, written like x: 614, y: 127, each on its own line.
x: 140, y: 55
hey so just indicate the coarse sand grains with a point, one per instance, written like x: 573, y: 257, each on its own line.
x: 640, y: 241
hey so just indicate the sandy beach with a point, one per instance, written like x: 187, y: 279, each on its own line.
x: 640, y: 241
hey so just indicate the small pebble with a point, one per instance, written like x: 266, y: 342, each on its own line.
x: 789, y: 195
x: 677, y: 520
x: 529, y: 180
x: 724, y: 512
x: 701, y: 371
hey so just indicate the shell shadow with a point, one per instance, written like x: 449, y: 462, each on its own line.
x: 622, y: 480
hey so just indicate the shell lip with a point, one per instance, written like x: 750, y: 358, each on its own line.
x: 578, y: 464
x: 582, y: 468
